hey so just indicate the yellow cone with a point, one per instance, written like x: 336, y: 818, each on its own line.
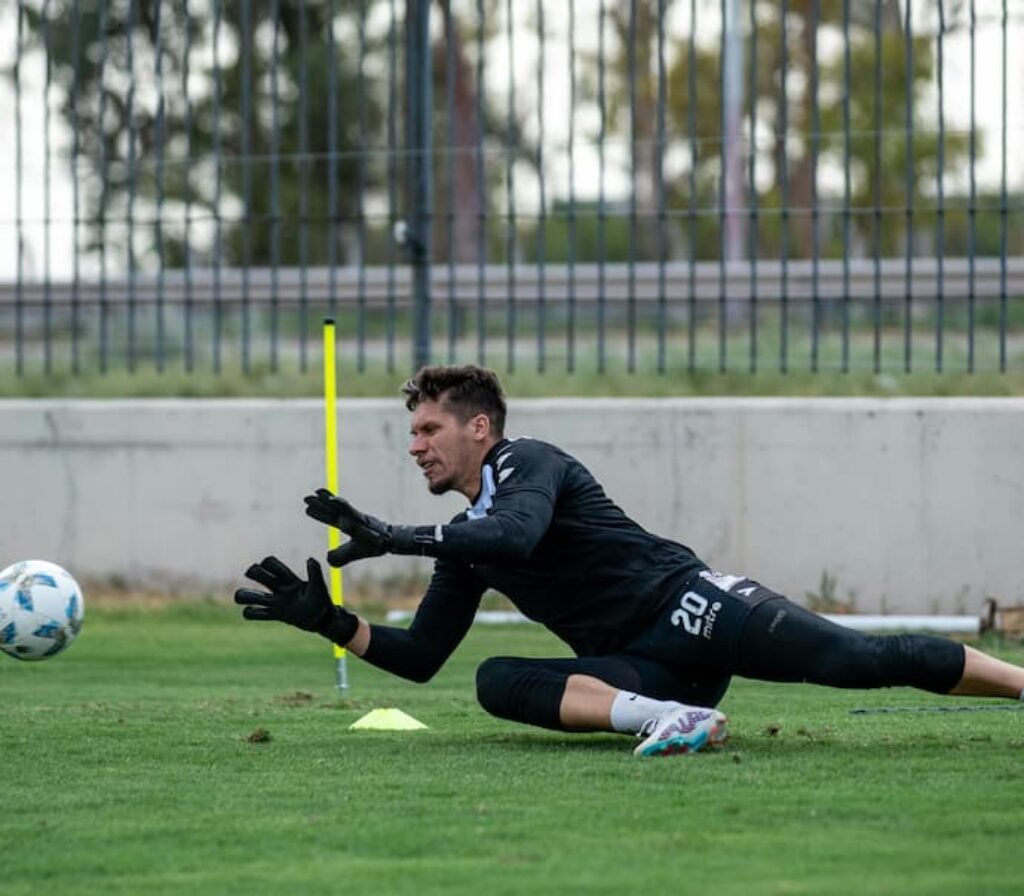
x: 387, y: 720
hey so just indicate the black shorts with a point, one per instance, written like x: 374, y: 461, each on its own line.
x: 699, y: 629
x: 688, y: 653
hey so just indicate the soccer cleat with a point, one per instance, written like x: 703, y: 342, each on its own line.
x: 683, y: 730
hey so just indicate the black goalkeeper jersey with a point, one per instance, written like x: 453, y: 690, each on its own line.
x: 544, y: 533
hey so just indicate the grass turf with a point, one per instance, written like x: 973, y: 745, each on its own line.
x: 177, y: 750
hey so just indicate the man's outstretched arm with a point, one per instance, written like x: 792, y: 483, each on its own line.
x: 510, y: 532
x: 416, y: 653
x: 438, y: 627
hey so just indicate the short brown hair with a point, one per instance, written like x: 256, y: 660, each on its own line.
x: 465, y: 390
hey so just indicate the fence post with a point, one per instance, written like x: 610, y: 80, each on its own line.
x: 417, y: 237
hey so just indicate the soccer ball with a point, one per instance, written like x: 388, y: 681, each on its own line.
x: 41, y: 609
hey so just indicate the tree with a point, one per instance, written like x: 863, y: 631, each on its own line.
x: 784, y: 68
x: 208, y: 130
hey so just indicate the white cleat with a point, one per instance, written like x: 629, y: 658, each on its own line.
x: 683, y: 730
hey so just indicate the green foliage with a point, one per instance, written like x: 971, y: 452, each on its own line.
x: 891, y: 138
x: 162, y: 152
x: 176, y: 749
x: 583, y: 232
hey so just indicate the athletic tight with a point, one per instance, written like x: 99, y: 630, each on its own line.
x: 779, y: 641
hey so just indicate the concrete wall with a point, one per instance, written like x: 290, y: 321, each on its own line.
x: 911, y: 505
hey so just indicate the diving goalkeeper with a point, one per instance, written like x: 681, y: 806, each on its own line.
x: 657, y: 634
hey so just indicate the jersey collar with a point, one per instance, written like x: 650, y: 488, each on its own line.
x: 485, y: 498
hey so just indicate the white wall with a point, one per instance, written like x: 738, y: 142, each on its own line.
x: 912, y: 505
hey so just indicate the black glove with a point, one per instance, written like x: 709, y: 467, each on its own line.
x: 369, y: 536
x: 306, y: 605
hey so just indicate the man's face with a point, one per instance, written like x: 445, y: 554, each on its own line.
x: 447, y: 450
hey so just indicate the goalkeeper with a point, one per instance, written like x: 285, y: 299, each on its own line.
x: 657, y: 634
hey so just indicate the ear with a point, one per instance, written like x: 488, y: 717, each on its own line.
x: 480, y: 426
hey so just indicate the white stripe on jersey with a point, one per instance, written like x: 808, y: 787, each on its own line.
x: 486, y: 498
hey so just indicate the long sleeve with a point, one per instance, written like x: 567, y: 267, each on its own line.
x: 441, y: 622
x: 519, y: 490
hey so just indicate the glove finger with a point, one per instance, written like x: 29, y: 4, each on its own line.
x: 258, y: 614
x: 317, y: 583
x: 249, y: 597
x: 313, y: 571
x: 258, y: 572
x: 319, y: 510
x: 282, y: 573
x: 348, y: 552
x: 346, y: 517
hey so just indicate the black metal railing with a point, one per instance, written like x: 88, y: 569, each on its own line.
x: 826, y: 185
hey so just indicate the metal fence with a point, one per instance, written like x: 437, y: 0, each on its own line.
x: 653, y: 184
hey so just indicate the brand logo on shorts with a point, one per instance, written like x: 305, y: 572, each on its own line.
x: 696, y: 615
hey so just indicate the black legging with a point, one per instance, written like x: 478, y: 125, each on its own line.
x: 780, y: 641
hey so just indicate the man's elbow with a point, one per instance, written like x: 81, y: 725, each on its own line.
x: 516, y: 545
x: 424, y: 670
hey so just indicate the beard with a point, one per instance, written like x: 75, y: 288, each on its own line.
x: 439, y: 486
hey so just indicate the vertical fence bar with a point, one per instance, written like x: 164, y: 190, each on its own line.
x: 659, y: 157
x: 571, y: 223
x: 131, y: 179
x: 449, y: 175
x: 602, y: 211
x: 304, y: 188
x: 47, y: 201
x: 940, y: 216
x: 733, y: 187
x: 361, y: 177
x: 76, y: 60
x: 158, y: 228
x: 101, y: 33
x: 815, y: 210
x: 972, y: 200
x: 481, y: 192
x: 1003, y: 200
x: 275, y: 179
x: 19, y: 225
x: 392, y: 181
x: 753, y: 225
x: 691, y: 207
x: 908, y: 211
x: 877, y: 194
x: 542, y: 222
x: 847, y: 199
x: 218, y: 223
x: 723, y: 179
x: 783, y: 163
x: 510, y: 191
x: 246, y: 39
x: 419, y: 84
x: 634, y: 149
x: 187, y: 181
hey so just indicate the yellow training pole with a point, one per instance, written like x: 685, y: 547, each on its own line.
x: 331, y: 456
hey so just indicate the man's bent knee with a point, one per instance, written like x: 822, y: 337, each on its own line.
x: 521, y: 690
x: 494, y: 683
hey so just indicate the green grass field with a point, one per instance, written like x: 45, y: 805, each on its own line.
x: 180, y: 750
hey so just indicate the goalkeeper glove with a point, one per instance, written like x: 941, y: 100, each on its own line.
x: 306, y: 605
x: 369, y: 536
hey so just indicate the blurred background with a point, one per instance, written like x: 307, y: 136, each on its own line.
x: 654, y: 196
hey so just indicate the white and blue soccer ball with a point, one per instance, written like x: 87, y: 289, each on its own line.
x: 41, y: 609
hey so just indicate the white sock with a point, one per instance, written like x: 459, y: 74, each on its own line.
x: 630, y: 711
x: 1022, y: 695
